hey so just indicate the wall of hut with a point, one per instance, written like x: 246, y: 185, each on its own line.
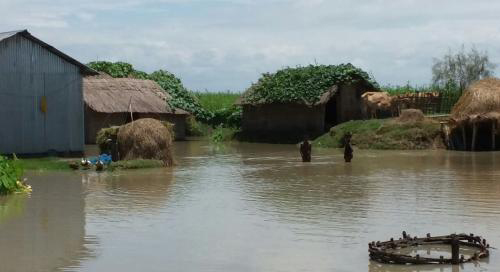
x: 348, y: 102
x: 30, y: 77
x: 286, y: 119
x: 296, y: 120
x: 95, y: 121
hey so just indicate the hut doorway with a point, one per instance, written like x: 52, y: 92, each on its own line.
x: 486, y: 137
x: 331, y: 115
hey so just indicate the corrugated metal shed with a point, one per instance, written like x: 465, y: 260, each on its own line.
x: 41, y: 100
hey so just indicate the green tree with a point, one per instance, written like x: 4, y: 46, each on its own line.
x: 458, y: 70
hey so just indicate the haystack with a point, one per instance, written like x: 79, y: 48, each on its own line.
x: 475, y: 117
x: 145, y: 139
x: 411, y: 116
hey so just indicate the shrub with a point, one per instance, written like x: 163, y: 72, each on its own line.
x: 10, y: 176
x: 103, y: 136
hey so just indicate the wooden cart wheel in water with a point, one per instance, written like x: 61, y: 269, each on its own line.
x: 386, y: 252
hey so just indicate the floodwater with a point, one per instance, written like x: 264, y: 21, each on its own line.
x: 251, y: 207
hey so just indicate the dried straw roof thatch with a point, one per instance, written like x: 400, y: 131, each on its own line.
x: 113, y: 95
x: 481, y: 101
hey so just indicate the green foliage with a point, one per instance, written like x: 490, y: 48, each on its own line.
x: 114, y: 69
x: 135, y: 164
x: 43, y: 164
x: 196, y: 128
x: 222, y: 134
x: 379, y: 134
x: 10, y: 176
x: 103, y: 136
x: 304, y: 84
x: 181, y: 97
x: 213, y: 101
x: 334, y: 138
x: 458, y: 70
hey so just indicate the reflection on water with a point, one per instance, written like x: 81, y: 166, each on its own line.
x: 44, y: 231
x: 256, y: 207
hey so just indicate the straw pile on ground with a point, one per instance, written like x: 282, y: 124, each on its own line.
x: 145, y: 139
x: 411, y: 116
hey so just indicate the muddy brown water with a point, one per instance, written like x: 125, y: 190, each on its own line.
x: 250, y: 207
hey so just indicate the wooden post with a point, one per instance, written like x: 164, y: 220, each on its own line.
x: 493, y: 135
x: 464, y: 138
x: 455, y: 251
x: 474, y: 136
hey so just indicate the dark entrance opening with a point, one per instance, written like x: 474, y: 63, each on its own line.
x: 484, y: 138
x: 134, y: 116
x: 331, y: 116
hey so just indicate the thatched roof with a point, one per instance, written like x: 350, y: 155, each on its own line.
x: 481, y: 101
x: 113, y: 95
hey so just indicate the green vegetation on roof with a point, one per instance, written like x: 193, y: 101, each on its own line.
x: 304, y: 84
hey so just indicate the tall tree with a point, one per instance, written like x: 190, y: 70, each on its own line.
x: 458, y: 70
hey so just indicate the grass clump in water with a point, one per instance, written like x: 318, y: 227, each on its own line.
x: 43, y: 164
x: 223, y: 134
x: 135, y: 164
x: 384, y: 134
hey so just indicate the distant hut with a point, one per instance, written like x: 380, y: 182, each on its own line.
x: 117, y: 101
x: 41, y: 105
x: 294, y: 102
x: 475, y: 118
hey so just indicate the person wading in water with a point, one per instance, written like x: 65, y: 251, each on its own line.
x: 347, y: 147
x: 305, y: 150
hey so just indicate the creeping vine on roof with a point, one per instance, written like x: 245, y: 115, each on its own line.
x: 304, y: 84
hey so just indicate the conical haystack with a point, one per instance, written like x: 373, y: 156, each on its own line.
x: 480, y: 100
x: 145, y: 139
x: 475, y: 117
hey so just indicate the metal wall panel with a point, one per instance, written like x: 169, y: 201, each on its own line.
x: 29, y: 72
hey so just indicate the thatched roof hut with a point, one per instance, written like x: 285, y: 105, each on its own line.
x: 293, y: 102
x: 117, y: 101
x: 475, y: 117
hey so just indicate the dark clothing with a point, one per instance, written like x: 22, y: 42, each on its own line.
x: 348, y: 152
x: 305, y: 151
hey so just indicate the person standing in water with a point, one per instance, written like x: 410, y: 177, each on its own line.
x: 305, y: 150
x: 347, y: 147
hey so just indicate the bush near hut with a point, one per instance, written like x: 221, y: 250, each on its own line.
x: 385, y: 134
x: 145, y: 139
x: 103, y: 136
x: 11, y: 173
x: 303, y: 84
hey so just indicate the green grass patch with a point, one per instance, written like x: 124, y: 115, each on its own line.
x: 223, y: 134
x: 214, y: 101
x: 135, y: 164
x: 383, y: 134
x: 44, y: 164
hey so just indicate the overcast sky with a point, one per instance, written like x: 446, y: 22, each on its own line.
x: 227, y: 44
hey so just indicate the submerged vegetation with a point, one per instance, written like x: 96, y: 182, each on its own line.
x: 135, y: 164
x: 11, y: 173
x: 304, y: 84
x: 384, y: 134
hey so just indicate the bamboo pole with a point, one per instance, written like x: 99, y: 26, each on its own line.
x: 474, y: 136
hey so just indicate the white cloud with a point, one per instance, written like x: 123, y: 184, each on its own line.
x: 226, y: 44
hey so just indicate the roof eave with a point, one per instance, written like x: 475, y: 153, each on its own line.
x: 84, y: 69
